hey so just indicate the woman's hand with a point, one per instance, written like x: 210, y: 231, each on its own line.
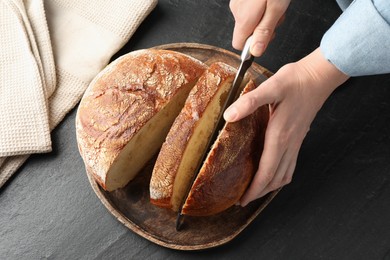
x: 295, y: 94
x: 257, y: 17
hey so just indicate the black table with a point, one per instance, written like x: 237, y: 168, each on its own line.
x: 337, y: 206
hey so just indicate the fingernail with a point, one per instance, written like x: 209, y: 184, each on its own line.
x: 258, y: 48
x: 230, y: 114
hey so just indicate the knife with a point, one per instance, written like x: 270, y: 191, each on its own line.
x: 246, y: 61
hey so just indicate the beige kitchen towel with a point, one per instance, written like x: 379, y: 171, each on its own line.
x: 33, y: 99
x: 24, y: 118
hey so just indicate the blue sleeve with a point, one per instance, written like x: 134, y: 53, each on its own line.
x: 343, y: 3
x: 358, y: 43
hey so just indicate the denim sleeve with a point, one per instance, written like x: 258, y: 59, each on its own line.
x: 358, y: 43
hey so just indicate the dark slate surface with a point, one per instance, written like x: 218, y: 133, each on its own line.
x: 337, y: 207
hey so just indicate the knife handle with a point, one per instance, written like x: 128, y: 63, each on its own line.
x: 246, y: 52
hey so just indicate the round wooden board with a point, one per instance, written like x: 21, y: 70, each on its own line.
x: 131, y: 206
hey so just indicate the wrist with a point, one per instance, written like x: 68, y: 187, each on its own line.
x: 324, y: 74
x: 318, y: 78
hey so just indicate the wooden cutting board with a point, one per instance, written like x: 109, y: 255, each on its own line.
x: 131, y: 206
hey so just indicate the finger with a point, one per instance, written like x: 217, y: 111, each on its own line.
x: 276, y: 181
x: 247, y: 16
x: 240, y: 34
x: 282, y: 177
x: 279, y: 22
x: 269, y: 163
x: 263, y: 32
x: 265, y: 93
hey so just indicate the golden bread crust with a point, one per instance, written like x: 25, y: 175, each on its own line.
x: 230, y: 165
x: 176, y: 143
x: 123, y: 98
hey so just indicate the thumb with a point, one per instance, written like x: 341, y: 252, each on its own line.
x: 249, y: 102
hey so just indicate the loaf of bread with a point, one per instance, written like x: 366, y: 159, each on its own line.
x: 181, y: 152
x: 128, y: 109
x: 229, y: 166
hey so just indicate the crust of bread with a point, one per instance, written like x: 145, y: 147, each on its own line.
x: 230, y: 165
x: 138, y: 92
x: 187, y: 139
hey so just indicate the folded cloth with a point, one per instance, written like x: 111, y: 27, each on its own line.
x: 49, y: 52
x: 24, y: 119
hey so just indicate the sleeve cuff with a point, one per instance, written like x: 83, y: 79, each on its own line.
x: 359, y: 41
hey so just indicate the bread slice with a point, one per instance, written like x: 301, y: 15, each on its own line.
x: 128, y: 109
x: 230, y: 164
x: 182, y: 150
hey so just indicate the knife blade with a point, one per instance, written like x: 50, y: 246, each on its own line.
x: 246, y: 61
